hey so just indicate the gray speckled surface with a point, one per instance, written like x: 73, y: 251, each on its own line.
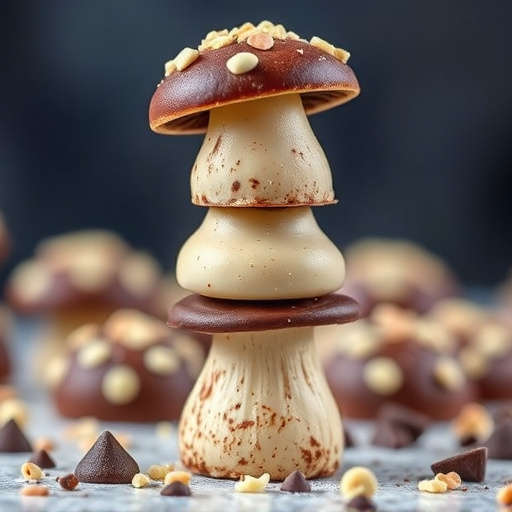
x: 398, y: 472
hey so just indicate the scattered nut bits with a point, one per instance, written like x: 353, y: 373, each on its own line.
x: 504, y: 495
x: 433, y: 486
x: 31, y: 471
x: 158, y: 472
x: 452, y: 479
x: 35, y: 490
x: 140, y: 480
x: 68, y: 482
x: 177, y: 476
x: 242, y: 62
x: 249, y: 483
x: 473, y: 423
x: 358, y: 481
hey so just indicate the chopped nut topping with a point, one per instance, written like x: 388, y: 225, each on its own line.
x: 242, y: 62
x: 35, y: 490
x: 433, y: 486
x: 451, y: 479
x: 82, y: 335
x: 473, y: 421
x: 95, y: 353
x: 169, y: 67
x: 139, y: 274
x: 186, y: 57
x: 358, y: 481
x: 140, y: 480
x: 492, y: 340
x: 249, y: 483
x: 317, y: 42
x: 473, y: 363
x: 383, y: 375
x: 32, y: 281
x: 260, y: 41
x: 342, y: 55
x: 158, y: 472
x: 120, y: 385
x: 177, y: 476
x: 31, y: 471
x: 448, y: 374
x: 161, y: 360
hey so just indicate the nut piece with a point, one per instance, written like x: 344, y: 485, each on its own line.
x: 261, y: 41
x: 383, y: 376
x: 473, y: 422
x: 249, y: 483
x: 186, y: 57
x: 140, y: 480
x: 504, y: 495
x: 433, y: 486
x: 31, y: 471
x: 158, y: 472
x: 448, y: 374
x: 120, y: 385
x: 68, y: 482
x: 177, y: 476
x: 242, y: 62
x: 451, y: 479
x: 35, y: 490
x: 358, y: 481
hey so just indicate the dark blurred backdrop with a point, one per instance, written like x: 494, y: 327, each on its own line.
x: 425, y: 152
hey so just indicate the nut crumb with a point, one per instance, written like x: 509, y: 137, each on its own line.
x: 68, y: 482
x: 31, y: 471
x: 248, y: 483
x: 451, y: 479
x: 140, y: 480
x: 358, y: 481
x: 35, y: 490
x: 433, y: 486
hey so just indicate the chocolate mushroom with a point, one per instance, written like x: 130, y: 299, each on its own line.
x: 262, y: 271
x: 81, y: 277
x: 131, y: 368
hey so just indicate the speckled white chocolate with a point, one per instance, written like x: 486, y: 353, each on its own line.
x: 261, y: 153
x: 260, y: 404
x: 260, y: 254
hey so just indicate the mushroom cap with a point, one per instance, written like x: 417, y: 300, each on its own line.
x: 83, y: 268
x: 317, y: 72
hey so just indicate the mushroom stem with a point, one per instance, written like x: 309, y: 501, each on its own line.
x: 261, y: 153
x: 262, y: 403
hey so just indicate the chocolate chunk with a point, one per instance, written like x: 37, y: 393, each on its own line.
x: 107, y: 462
x: 295, y: 482
x: 12, y: 439
x: 470, y: 465
x: 361, y: 504
x: 42, y: 459
x: 391, y: 435
x: 176, y: 489
x: 499, y: 445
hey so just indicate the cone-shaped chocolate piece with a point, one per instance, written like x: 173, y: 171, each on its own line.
x: 470, y: 465
x: 107, y: 462
x: 499, y: 445
x: 12, y: 439
x: 176, y: 489
x: 42, y: 459
x: 295, y: 482
x: 361, y: 504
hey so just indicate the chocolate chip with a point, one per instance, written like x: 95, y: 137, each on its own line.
x: 12, y: 439
x: 470, y: 465
x: 176, y: 489
x: 361, y: 504
x: 295, y: 482
x: 499, y: 445
x: 107, y: 462
x: 42, y: 459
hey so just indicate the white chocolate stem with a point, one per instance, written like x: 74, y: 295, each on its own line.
x: 261, y: 153
x: 262, y: 404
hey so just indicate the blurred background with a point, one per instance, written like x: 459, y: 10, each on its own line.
x: 425, y: 152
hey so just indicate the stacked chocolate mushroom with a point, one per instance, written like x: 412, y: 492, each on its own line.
x: 262, y: 272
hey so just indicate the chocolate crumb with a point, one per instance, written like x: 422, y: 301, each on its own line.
x: 68, y: 482
x: 296, y: 482
x: 361, y: 504
x: 176, y: 489
x: 391, y: 435
x: 470, y: 465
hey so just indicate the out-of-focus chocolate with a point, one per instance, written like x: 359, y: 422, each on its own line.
x: 42, y: 459
x: 208, y: 315
x: 133, y: 368
x: 401, y: 272
x: 106, y: 462
x: 394, y: 356
x: 12, y: 439
x: 499, y: 445
x: 5, y: 356
x: 360, y: 504
x: 295, y: 482
x: 176, y: 489
x: 470, y: 465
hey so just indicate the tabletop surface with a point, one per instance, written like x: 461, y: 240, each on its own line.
x: 398, y: 471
